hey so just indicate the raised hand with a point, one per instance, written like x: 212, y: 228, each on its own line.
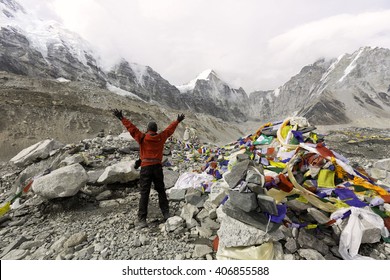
x: 180, y: 118
x: 117, y: 113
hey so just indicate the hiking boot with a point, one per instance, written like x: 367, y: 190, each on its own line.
x: 166, y: 216
x: 142, y: 224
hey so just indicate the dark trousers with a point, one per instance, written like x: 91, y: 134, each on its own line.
x: 148, y: 175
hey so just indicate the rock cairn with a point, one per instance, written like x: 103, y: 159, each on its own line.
x: 279, y: 193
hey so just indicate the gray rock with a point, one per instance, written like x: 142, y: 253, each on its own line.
x: 245, y: 201
x: 309, y: 241
x: 195, y: 197
x: 233, y: 233
x: 219, y: 190
x: 62, y: 182
x: 255, y: 219
x: 58, y: 244
x: 256, y: 188
x: 188, y: 212
x: 40, y: 150
x: 330, y: 256
x: 17, y: 254
x: 192, y: 223
x: 383, y: 164
x: 378, y: 173
x: 310, y: 254
x: 137, y: 242
x: 209, y: 223
x: 170, y: 178
x: 85, y: 253
x: 297, y: 205
x: 93, y: 176
x: 108, y: 203
x: 201, y: 251
x: 41, y: 254
x: 202, y: 214
x: 125, y: 150
x: 104, y: 195
x: 371, y: 234
x: 77, y: 158
x: 121, y: 172
x: 177, y: 194
x: 13, y: 245
x: 291, y: 245
x: 31, y: 244
x: 267, y: 204
x: 204, y: 231
x: 237, y: 174
x: 242, y: 157
x: 289, y: 257
x: 254, y: 176
x: 173, y: 223
x: 75, y: 239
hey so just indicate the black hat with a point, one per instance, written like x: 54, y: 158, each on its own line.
x: 152, y: 126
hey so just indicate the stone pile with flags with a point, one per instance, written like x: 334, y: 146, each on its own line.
x: 278, y: 193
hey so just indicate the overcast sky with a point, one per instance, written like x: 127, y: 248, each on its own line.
x: 255, y: 44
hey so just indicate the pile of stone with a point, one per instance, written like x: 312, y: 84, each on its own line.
x: 250, y: 199
x: 285, y: 200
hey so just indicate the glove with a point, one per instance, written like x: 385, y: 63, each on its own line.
x: 180, y: 117
x: 118, y: 114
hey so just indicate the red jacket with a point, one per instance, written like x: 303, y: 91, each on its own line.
x: 152, y: 146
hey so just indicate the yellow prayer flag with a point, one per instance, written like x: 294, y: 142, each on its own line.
x: 5, y: 208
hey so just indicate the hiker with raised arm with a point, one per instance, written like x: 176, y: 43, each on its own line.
x: 151, y: 155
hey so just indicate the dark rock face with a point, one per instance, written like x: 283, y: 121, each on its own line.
x: 17, y: 56
x: 213, y: 96
x: 350, y: 89
x: 148, y: 85
x: 327, y: 110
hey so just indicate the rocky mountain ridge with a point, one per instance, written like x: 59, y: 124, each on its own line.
x: 42, y: 49
x: 33, y: 109
x: 352, y: 89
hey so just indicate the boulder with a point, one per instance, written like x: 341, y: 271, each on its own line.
x: 233, y: 233
x: 245, y: 201
x: 121, y: 172
x: 383, y: 164
x: 255, y: 219
x: 40, y: 150
x: 62, y: 182
x: 237, y: 174
x: 170, y: 178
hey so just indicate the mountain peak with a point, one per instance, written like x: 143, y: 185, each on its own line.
x: 205, y: 75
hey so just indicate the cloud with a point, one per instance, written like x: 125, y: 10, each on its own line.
x: 328, y: 38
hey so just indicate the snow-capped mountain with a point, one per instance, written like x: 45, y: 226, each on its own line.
x: 146, y: 83
x: 354, y: 88
x: 209, y: 94
x: 38, y: 48
x: 45, y: 49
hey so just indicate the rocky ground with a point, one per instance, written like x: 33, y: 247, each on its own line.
x: 99, y: 221
x: 360, y: 145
